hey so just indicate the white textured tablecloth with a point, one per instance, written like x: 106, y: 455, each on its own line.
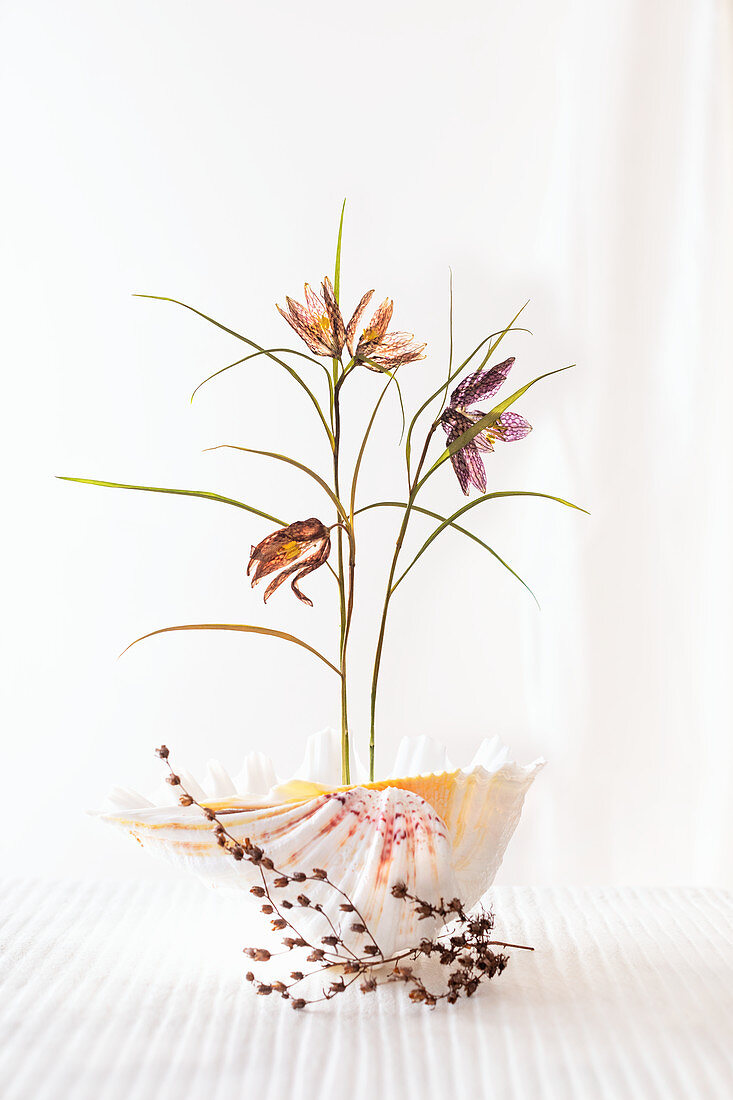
x: 112, y: 990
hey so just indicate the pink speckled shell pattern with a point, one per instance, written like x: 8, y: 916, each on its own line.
x: 441, y: 833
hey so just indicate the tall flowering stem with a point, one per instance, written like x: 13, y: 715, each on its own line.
x: 345, y: 579
x: 303, y: 544
x: 345, y: 603
x: 414, y: 489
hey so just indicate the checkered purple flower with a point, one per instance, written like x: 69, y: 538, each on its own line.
x: 458, y: 417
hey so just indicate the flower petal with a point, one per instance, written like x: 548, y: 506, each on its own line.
x: 292, y: 544
x: 395, y: 341
x: 476, y: 468
x: 351, y: 327
x: 467, y: 463
x: 481, y: 440
x: 334, y: 314
x: 316, y: 305
x: 297, y: 318
x: 509, y: 427
x: 318, y: 556
x: 460, y: 466
x: 395, y: 359
x: 380, y: 321
x: 481, y: 384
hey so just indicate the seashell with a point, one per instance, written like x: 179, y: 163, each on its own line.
x: 440, y: 830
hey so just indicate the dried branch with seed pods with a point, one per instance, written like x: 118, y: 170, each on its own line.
x: 465, y: 949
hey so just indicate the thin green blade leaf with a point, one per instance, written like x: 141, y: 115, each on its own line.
x: 472, y: 504
x: 291, y: 462
x: 176, y: 492
x: 246, y: 629
x: 357, y: 465
x: 393, y: 376
x: 255, y: 355
x: 450, y: 333
x: 500, y: 336
x: 337, y: 267
x: 337, y: 285
x: 486, y: 421
x: 455, y: 527
x: 245, y: 339
x: 402, y: 408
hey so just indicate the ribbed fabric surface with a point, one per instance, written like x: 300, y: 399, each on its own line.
x: 115, y: 991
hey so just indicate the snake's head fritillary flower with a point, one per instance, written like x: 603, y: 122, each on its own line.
x: 383, y: 350
x: 319, y: 322
x: 458, y: 417
x: 293, y: 551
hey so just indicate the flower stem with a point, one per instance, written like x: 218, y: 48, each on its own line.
x: 414, y: 489
x: 345, y: 615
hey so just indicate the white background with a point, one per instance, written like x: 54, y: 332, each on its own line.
x: 577, y: 154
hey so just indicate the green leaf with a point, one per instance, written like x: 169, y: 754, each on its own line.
x: 246, y: 629
x: 486, y: 422
x: 402, y: 405
x: 254, y: 355
x: 472, y: 504
x: 357, y: 465
x: 245, y: 339
x: 336, y: 293
x: 500, y: 336
x: 337, y: 268
x: 393, y: 376
x: 291, y: 462
x: 455, y: 527
x: 177, y: 492
x: 450, y: 331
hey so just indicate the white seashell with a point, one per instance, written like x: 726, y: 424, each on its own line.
x: 442, y: 831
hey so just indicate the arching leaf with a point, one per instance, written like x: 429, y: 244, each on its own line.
x: 176, y: 492
x: 243, y: 628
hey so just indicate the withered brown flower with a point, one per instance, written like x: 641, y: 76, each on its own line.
x: 295, y: 550
x: 385, y: 351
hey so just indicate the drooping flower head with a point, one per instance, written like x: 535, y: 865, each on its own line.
x: 293, y: 551
x: 457, y: 418
x: 386, y: 351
